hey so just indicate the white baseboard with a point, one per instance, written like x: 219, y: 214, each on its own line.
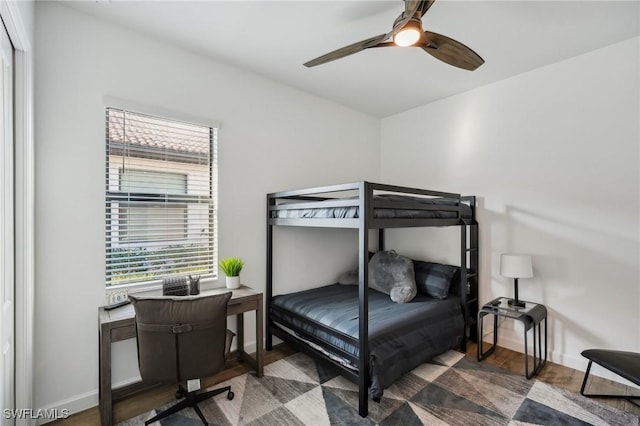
x: 72, y: 405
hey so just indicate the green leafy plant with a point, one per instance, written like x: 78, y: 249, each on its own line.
x: 154, y: 263
x: 231, y: 266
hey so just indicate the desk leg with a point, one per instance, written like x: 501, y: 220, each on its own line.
x: 104, y: 373
x: 259, y: 341
x: 258, y: 361
x: 240, y: 336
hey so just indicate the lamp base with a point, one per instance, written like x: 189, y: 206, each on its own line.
x: 517, y: 303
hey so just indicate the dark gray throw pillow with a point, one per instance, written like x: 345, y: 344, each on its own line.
x: 392, y: 274
x: 433, y: 279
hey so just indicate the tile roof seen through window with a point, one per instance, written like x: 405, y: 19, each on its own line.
x: 143, y: 132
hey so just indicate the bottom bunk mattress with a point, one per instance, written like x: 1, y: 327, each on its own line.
x: 401, y: 336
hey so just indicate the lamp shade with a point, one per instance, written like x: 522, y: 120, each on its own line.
x: 516, y: 266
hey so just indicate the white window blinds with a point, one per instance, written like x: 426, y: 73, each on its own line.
x: 160, y: 198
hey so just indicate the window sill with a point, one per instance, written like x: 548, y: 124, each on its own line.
x: 156, y: 286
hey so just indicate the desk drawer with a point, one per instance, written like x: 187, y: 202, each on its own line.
x: 122, y: 333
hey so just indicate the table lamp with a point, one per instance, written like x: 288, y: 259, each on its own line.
x: 516, y: 266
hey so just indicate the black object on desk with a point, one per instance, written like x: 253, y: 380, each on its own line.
x: 531, y: 316
x: 116, y: 305
x: 194, y: 285
x: 175, y: 286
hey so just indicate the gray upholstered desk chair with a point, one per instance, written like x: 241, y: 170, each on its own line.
x: 181, y: 339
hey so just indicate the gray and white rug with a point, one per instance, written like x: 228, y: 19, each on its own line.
x: 450, y: 390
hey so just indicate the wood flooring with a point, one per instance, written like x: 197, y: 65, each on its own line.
x: 554, y: 374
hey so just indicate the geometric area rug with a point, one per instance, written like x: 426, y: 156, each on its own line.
x: 452, y: 389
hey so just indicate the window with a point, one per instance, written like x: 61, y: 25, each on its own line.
x: 142, y: 222
x: 160, y: 198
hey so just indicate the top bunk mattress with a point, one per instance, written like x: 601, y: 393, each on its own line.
x: 352, y: 212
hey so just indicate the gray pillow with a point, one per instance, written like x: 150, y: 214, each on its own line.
x: 434, y: 279
x: 392, y: 274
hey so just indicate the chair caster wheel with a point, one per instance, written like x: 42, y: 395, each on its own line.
x: 230, y: 395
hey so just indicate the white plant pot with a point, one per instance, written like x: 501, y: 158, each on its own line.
x: 233, y: 282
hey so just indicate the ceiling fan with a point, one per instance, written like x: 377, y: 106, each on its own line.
x: 407, y: 32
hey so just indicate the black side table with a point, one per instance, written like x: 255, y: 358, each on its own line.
x: 531, y: 316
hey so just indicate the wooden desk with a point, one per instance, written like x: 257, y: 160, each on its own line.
x: 118, y: 324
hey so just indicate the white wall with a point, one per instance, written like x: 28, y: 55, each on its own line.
x: 18, y: 19
x: 272, y: 138
x: 553, y: 156
x: 26, y: 8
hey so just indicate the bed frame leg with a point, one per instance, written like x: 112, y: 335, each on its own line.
x: 267, y: 314
x: 363, y: 299
x: 363, y: 404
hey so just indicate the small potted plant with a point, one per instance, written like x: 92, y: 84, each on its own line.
x: 231, y: 266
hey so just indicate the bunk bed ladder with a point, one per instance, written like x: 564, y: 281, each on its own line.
x: 469, y: 279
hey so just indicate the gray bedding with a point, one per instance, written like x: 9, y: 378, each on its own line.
x: 401, y: 336
x: 400, y: 213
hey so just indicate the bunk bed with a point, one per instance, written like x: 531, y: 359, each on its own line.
x: 307, y: 319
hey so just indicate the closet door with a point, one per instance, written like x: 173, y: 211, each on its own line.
x: 7, y: 223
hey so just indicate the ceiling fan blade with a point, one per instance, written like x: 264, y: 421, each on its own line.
x: 410, y: 9
x: 452, y: 52
x: 346, y: 51
x: 411, y: 6
x: 426, y: 4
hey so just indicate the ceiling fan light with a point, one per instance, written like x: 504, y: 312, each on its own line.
x: 406, y: 37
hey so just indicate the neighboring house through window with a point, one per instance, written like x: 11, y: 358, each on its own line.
x: 160, y: 199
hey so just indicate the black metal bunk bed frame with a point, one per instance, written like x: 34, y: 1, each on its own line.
x: 310, y: 198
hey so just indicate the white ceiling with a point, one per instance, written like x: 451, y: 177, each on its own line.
x: 274, y: 39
